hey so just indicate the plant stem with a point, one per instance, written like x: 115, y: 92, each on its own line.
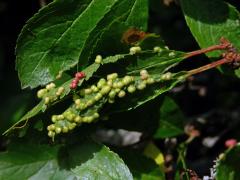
x: 206, y: 50
x: 208, y: 66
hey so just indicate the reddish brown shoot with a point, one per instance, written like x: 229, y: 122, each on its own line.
x: 224, y: 45
x: 229, y: 57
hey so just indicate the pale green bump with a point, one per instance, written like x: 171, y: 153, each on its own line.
x: 121, y: 94
x: 98, y: 96
x: 112, y: 94
x: 105, y: 90
x: 131, y: 89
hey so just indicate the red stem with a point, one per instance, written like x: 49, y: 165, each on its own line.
x: 208, y: 66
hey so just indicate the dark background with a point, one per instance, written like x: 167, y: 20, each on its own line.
x: 210, y: 96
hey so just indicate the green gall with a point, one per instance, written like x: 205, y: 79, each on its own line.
x: 90, y: 102
x: 112, y: 76
x: 131, y: 89
x: 167, y: 76
x: 94, y: 88
x: 105, y: 90
x: 60, y: 91
x: 77, y: 119
x: 157, y: 49
x: 150, y: 81
x: 135, y: 50
x: 46, y: 100
x: 95, y: 115
x: 110, y: 83
x: 65, y: 129
x: 58, y: 130
x: 98, y: 96
x: 50, y: 86
x: 112, y: 94
x: 119, y: 85
x: 41, y: 93
x: 171, y: 54
x: 101, y: 83
x: 72, y: 126
x: 121, y: 94
x: 98, y: 59
x: 82, y: 106
x: 51, y: 127
x: 141, y: 86
x: 127, y: 80
x: 88, y: 91
x: 54, y: 118
x: 111, y: 101
x: 77, y: 101
x: 51, y: 134
x: 60, y: 117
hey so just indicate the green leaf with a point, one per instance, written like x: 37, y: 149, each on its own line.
x: 228, y: 166
x: 139, y: 15
x: 171, y: 120
x: 211, y: 20
x: 86, y: 161
x: 142, y: 167
x: 150, y: 93
x: 89, y: 71
x: 54, y: 39
x: 155, y: 63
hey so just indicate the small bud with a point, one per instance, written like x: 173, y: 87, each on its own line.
x: 98, y: 59
x: 157, y: 49
x: 131, y: 89
x: 121, y: 94
x: 166, y: 47
x: 50, y: 86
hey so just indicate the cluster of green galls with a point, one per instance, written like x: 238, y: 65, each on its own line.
x: 84, y: 109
